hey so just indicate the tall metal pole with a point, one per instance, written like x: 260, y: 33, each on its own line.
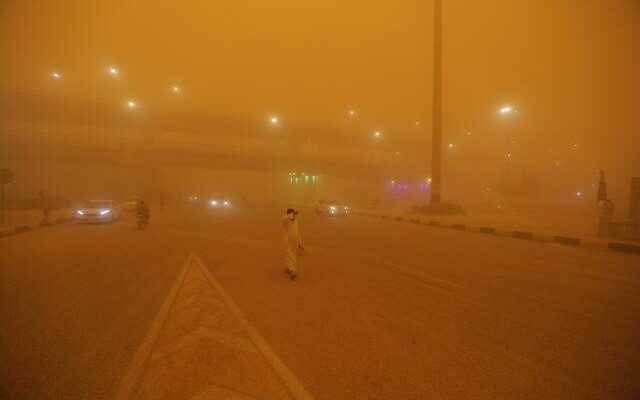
x: 3, y: 206
x: 436, y: 149
x: 6, y: 177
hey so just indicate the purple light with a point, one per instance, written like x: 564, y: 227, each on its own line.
x: 423, y: 187
x: 398, y: 187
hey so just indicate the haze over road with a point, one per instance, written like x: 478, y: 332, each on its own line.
x: 381, y: 310
x: 510, y: 118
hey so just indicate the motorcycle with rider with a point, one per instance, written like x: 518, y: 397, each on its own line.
x: 142, y: 214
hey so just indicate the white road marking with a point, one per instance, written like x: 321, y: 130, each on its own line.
x: 213, y: 303
x: 254, y: 343
x: 288, y: 378
x: 144, y: 351
x: 414, y: 273
x: 237, y: 343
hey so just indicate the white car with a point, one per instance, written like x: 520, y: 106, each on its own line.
x: 98, y: 211
x: 332, y: 208
x: 219, y: 203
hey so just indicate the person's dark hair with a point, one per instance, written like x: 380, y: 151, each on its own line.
x: 291, y: 211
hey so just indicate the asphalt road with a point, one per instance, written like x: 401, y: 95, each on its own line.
x: 382, y: 310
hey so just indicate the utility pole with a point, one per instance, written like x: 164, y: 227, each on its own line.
x: 6, y: 177
x: 3, y: 208
x: 436, y: 149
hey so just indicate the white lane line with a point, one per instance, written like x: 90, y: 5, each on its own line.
x: 426, y: 278
x: 139, y: 360
x: 288, y: 378
x: 409, y: 271
x: 195, y: 299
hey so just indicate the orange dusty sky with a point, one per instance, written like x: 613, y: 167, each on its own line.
x: 570, y: 67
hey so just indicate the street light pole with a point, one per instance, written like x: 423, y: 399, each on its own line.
x: 6, y: 177
x: 3, y: 205
x: 436, y: 149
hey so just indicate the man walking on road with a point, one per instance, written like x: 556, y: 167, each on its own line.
x: 292, y: 243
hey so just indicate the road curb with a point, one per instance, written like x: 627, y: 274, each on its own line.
x: 571, y: 241
x: 21, y: 229
x: 17, y: 229
x: 526, y: 235
x: 568, y: 241
x: 7, y: 231
x: 624, y: 247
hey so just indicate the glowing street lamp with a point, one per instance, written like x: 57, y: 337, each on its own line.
x: 274, y: 120
x: 132, y: 104
x: 378, y: 134
x: 506, y: 110
x: 56, y: 76
x: 113, y: 71
x: 352, y: 113
x: 175, y: 89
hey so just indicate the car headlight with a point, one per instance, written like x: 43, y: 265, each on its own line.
x: 80, y: 212
x: 226, y: 203
x: 105, y: 212
x: 214, y: 203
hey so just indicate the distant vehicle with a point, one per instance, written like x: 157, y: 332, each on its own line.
x: 194, y: 200
x: 142, y: 223
x: 332, y: 208
x: 220, y: 202
x: 131, y: 204
x: 98, y: 211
